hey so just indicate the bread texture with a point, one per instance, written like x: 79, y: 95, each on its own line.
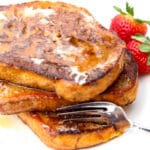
x: 54, y: 54
x: 123, y: 91
x: 15, y: 99
x: 71, y: 135
x: 58, y: 47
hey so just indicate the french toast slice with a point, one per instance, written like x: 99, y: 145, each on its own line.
x: 58, y: 47
x: 123, y: 91
x: 72, y: 135
x: 15, y: 99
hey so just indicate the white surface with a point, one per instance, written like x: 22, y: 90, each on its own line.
x: 17, y: 136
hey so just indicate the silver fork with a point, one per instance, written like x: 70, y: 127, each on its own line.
x: 104, y: 113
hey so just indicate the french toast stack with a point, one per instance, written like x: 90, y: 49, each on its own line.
x: 54, y: 54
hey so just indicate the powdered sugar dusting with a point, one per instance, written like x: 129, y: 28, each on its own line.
x: 87, y: 17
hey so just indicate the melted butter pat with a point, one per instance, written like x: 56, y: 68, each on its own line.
x: 69, y: 53
x: 79, y: 77
x: 87, y: 17
x: 6, y: 121
x: 68, y: 50
x: 30, y: 12
x: 37, y: 61
x: 44, y: 21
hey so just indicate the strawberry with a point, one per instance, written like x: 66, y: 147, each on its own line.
x: 140, y: 49
x: 125, y: 25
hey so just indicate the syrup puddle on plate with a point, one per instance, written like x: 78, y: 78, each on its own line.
x: 6, y: 121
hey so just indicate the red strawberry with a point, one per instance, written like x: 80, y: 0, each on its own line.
x: 125, y: 25
x: 140, y: 49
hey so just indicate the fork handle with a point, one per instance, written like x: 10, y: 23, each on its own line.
x: 140, y: 127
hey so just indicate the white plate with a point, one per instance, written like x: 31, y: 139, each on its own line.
x: 15, y: 135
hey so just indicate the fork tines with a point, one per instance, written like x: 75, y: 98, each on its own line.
x: 88, y: 105
x: 93, y: 112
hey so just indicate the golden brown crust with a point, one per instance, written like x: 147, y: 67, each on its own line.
x: 14, y: 98
x: 86, y: 92
x: 98, y: 45
x: 31, y: 57
x: 65, y: 136
x: 123, y: 91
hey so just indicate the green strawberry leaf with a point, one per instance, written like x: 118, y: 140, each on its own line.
x: 148, y: 61
x: 141, y: 38
x: 119, y: 10
x: 144, y: 48
x: 142, y: 21
x: 129, y: 9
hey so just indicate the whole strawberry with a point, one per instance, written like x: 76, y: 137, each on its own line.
x: 125, y: 25
x: 140, y: 49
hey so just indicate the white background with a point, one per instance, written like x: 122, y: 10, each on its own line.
x: 15, y: 135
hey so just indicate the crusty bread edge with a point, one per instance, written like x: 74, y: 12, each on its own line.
x: 83, y: 92
x: 70, y: 141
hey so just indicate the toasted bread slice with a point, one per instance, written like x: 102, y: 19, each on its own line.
x: 71, y: 135
x: 14, y: 99
x: 58, y: 47
x: 123, y: 91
